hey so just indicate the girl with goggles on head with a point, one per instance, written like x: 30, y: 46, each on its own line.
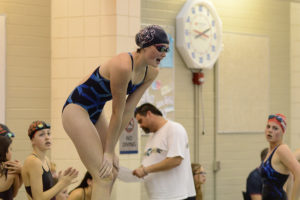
x: 278, y: 163
x: 36, y: 172
x: 123, y: 79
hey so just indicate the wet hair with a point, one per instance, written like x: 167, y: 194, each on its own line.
x: 150, y: 35
x: 263, y: 154
x: 4, y: 145
x: 84, y: 182
x: 144, y: 108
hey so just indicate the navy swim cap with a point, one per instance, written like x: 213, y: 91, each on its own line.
x: 152, y: 34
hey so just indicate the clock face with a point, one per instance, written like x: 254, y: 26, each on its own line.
x: 201, y: 34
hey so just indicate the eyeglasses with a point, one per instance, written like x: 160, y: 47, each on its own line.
x: 162, y: 48
x: 201, y: 173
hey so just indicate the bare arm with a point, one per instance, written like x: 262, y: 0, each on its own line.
x: 17, y: 184
x: 119, y: 79
x: 166, y: 164
x: 289, y: 160
x: 256, y: 197
x: 135, y: 97
x: 15, y: 168
x: 123, y: 109
x: 289, y: 183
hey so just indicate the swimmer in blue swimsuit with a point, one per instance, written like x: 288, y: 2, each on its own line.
x: 123, y: 79
x: 279, y: 162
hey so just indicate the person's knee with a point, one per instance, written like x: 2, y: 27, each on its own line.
x: 102, y: 181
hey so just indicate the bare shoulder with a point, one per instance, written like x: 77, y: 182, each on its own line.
x: 32, y: 163
x: 297, y: 154
x: 76, y: 194
x: 283, y: 149
x: 284, y: 153
x: 6, y: 182
x: 121, y: 61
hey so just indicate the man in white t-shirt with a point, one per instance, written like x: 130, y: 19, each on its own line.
x: 166, y: 165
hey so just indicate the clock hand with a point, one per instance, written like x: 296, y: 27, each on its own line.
x: 202, y: 33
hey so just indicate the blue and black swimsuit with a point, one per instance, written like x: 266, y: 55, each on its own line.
x: 273, y: 181
x: 95, y: 92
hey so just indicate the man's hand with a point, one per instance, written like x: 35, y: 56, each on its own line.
x: 140, y: 172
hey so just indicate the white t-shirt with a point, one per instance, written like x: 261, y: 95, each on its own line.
x: 177, y: 183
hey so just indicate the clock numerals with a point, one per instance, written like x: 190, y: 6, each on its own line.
x: 193, y: 55
x: 208, y: 56
x: 215, y: 36
x: 186, y: 32
x: 200, y: 8
x: 193, y: 10
x: 213, y: 23
x: 188, y: 19
x: 200, y: 60
x: 213, y: 48
x: 188, y: 45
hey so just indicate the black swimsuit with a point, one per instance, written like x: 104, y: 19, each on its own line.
x: 47, y: 182
x: 8, y: 194
x: 95, y: 92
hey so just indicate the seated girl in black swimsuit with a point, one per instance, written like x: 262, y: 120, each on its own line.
x: 36, y: 173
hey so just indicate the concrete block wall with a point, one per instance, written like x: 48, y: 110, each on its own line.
x: 85, y: 33
x: 295, y: 73
x: 234, y: 151
x: 27, y: 70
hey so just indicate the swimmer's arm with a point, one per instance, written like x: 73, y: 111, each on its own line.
x: 17, y: 184
x: 135, y: 97
x: 289, y: 160
x: 119, y: 78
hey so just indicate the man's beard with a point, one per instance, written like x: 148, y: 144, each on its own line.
x: 146, y: 130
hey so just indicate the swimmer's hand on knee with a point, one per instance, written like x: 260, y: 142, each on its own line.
x: 106, y: 165
x: 116, y: 162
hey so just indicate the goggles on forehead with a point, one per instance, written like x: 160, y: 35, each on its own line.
x: 162, y: 48
x: 279, y: 119
x: 10, y: 135
x: 38, y: 126
x: 276, y: 117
